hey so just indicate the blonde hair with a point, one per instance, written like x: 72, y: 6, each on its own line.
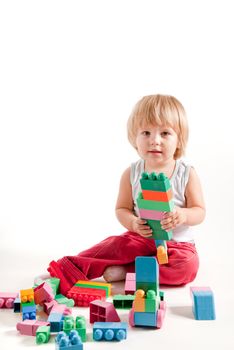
x: 159, y: 110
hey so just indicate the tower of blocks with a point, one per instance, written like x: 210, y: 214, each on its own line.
x: 148, y: 308
x: 153, y: 201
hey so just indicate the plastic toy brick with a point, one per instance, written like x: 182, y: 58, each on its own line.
x: 61, y: 309
x: 27, y: 295
x: 109, y: 331
x: 102, y: 311
x: 154, y: 182
x: 130, y: 283
x: 158, y: 233
x: 68, y: 324
x: 157, y: 196
x: 17, y: 305
x: 162, y: 255
x: 56, y: 322
x: 54, y: 284
x: 29, y: 312
x: 43, y: 293
x: 153, y: 205
x: 83, y: 296
x: 203, y: 303
x: 7, y: 300
x: 123, y: 301
x: 80, y: 325
x: 97, y: 285
x: 145, y: 319
x: 146, y: 269
x: 139, y: 302
x: 29, y: 327
x: 61, y: 299
x: 151, y: 214
x: 68, y: 342
x: 43, y: 334
x: 48, y: 306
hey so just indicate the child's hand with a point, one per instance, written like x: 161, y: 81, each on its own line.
x: 173, y: 219
x: 139, y: 226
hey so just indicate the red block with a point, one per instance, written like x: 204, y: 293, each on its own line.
x: 83, y: 296
x: 102, y: 311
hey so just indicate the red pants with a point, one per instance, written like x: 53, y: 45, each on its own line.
x: 122, y: 250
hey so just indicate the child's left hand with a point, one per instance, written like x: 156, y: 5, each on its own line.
x: 173, y: 219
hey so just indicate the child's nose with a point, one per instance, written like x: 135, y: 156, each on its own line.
x: 156, y: 139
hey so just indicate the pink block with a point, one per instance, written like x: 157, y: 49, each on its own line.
x: 61, y: 309
x: 43, y: 293
x: 130, y: 276
x: 48, y: 306
x: 7, y: 299
x: 151, y: 214
x: 29, y: 327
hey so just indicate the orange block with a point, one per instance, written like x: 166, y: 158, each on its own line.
x: 157, y: 196
x: 138, y: 304
x: 27, y: 295
x: 162, y: 255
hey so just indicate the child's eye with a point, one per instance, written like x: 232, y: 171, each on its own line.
x: 146, y: 133
x: 165, y: 133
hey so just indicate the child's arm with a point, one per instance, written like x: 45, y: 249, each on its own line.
x: 194, y: 212
x: 125, y: 205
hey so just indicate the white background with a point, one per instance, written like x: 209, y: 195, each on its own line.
x: 70, y: 73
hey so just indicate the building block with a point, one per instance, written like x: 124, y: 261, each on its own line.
x: 123, y: 301
x: 43, y: 334
x: 153, y: 205
x: 203, y: 303
x: 83, y: 296
x: 68, y: 342
x: 162, y: 255
x: 147, y: 269
x: 56, y: 321
x: 109, y: 331
x: 29, y: 327
x: 7, y: 300
x: 61, y: 309
x: 48, y: 306
x: 145, y: 319
x: 151, y: 214
x: 154, y: 182
x: 130, y: 283
x: 102, y: 311
x: 80, y: 326
x: 27, y: 295
x: 61, y: 299
x: 29, y: 312
x: 139, y: 302
x: 17, y: 305
x: 68, y: 324
x: 43, y: 293
x: 96, y: 285
x: 157, y: 195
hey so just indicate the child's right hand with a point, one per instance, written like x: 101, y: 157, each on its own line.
x: 139, y: 226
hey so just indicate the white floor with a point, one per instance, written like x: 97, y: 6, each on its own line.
x: 180, y: 330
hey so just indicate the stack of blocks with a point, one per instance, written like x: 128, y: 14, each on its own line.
x: 154, y: 200
x: 148, y: 309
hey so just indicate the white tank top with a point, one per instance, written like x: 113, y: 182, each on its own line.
x: 179, y: 180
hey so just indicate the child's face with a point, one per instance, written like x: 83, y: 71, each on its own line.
x: 157, y: 143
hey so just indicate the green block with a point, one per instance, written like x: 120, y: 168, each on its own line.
x: 54, y: 283
x: 161, y: 295
x: 81, y: 327
x: 123, y: 301
x: 154, y: 205
x: 31, y: 303
x: 68, y: 324
x: 43, y: 334
x: 155, y: 182
x: 158, y: 233
x: 147, y: 286
x: 61, y: 299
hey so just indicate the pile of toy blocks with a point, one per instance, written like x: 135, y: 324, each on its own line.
x: 148, y: 308
x: 153, y: 201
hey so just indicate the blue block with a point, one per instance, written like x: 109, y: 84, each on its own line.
x: 145, y: 319
x: 56, y: 321
x: 147, y: 269
x: 109, y: 331
x: 29, y: 312
x: 72, y: 341
x: 203, y: 305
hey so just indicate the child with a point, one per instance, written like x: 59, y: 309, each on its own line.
x: 158, y: 130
